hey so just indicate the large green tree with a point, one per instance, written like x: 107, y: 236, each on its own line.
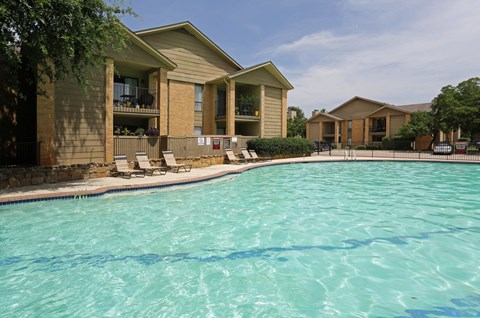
x: 459, y: 106
x: 422, y: 123
x: 47, y: 39
x: 296, y: 127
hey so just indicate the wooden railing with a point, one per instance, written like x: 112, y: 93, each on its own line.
x: 182, y: 146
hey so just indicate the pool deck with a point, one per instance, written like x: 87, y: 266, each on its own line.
x: 89, y: 187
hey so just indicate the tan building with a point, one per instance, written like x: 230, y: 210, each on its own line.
x: 172, y: 78
x: 360, y: 121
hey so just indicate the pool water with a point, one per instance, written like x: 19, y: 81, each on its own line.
x: 339, y: 239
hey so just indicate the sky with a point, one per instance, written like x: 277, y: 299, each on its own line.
x: 393, y: 51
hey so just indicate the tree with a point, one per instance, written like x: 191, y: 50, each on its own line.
x: 296, y: 127
x: 459, y: 107
x: 46, y: 40
x: 422, y: 123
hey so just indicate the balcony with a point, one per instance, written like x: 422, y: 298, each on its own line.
x: 378, y: 130
x: 134, y: 101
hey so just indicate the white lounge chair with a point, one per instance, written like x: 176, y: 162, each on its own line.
x: 144, y: 164
x: 122, y: 167
x: 232, y: 158
x: 172, y: 163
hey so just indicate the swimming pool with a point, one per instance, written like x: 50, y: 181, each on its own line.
x: 345, y: 239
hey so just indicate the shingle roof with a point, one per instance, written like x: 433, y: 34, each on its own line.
x: 426, y: 107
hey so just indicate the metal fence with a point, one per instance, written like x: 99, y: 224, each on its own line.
x: 456, y: 151
x: 182, y: 146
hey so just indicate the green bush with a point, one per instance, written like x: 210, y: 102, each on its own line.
x: 396, y: 143
x: 334, y: 146
x: 373, y: 147
x: 361, y: 147
x: 464, y: 139
x: 281, y: 146
x: 386, y: 143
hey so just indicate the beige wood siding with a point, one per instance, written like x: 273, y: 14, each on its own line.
x: 314, y: 129
x: 384, y: 112
x: 395, y: 123
x: 273, y: 112
x: 258, y: 77
x: 134, y: 54
x: 357, y: 131
x: 356, y: 109
x: 80, y: 121
x: 196, y: 62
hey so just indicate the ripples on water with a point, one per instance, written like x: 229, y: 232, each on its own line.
x: 379, y: 239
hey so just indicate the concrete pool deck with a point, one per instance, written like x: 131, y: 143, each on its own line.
x: 89, y: 187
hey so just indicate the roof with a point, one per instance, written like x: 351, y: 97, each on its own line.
x: 357, y: 97
x: 187, y: 25
x: 268, y: 66
x: 389, y: 107
x: 426, y: 107
x: 149, y: 49
x: 325, y: 115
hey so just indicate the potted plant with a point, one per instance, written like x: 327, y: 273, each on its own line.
x: 247, y: 103
x: 139, y: 131
x: 152, y: 131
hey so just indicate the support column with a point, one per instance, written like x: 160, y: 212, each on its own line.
x: 408, y: 117
x: 366, y: 137
x: 46, y: 130
x: 320, y: 131
x: 262, y: 111
x: 162, y: 89
x: 230, y: 124
x: 387, y: 126
x: 109, y: 73
x: 336, y: 134
x: 284, y: 113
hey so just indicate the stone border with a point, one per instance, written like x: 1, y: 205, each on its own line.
x: 101, y: 190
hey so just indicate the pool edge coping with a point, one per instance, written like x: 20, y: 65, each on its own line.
x: 102, y: 190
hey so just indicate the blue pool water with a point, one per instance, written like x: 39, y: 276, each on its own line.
x: 347, y: 239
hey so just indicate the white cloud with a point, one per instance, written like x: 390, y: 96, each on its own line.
x: 398, y: 64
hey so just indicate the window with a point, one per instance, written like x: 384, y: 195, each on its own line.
x: 349, y: 125
x: 198, y: 97
x: 197, y: 131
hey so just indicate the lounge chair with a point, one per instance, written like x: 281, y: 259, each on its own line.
x: 145, y: 165
x: 172, y: 163
x: 123, y: 168
x: 232, y: 158
x: 254, y: 155
x: 246, y: 155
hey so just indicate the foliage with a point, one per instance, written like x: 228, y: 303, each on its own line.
x: 296, y: 127
x: 396, y: 143
x: 281, y: 146
x: 152, y: 131
x: 459, y: 106
x: 361, y: 147
x: 49, y: 39
x: 373, y: 147
x: 246, y: 102
x: 139, y: 131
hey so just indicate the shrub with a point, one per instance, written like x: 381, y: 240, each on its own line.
x: 281, y: 146
x: 360, y: 147
x: 464, y: 139
x: 373, y: 147
x: 386, y: 144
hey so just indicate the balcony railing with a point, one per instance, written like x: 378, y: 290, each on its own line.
x: 379, y: 129
x: 133, y: 96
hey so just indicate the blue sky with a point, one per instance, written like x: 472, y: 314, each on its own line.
x: 399, y: 52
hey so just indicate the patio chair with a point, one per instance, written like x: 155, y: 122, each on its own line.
x: 122, y: 167
x: 232, y: 158
x: 246, y: 155
x: 172, y: 163
x: 144, y: 164
x: 254, y: 155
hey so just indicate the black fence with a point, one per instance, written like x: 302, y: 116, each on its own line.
x: 460, y: 151
x: 20, y: 154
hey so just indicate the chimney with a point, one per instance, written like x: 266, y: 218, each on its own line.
x: 314, y: 112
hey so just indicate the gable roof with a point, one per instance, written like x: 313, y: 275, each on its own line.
x: 325, y: 115
x: 357, y: 97
x: 268, y: 66
x: 187, y: 25
x: 149, y: 49
x: 389, y: 107
x: 426, y: 107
